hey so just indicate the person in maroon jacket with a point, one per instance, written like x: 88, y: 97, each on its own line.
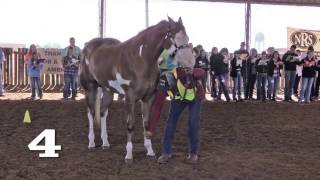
x: 188, y: 93
x: 166, y: 84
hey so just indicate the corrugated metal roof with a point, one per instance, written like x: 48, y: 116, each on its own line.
x: 278, y: 2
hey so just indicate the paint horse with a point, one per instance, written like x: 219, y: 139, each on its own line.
x: 131, y: 69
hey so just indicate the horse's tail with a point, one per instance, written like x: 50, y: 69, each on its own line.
x: 97, y: 107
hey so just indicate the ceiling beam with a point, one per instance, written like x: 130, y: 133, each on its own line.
x: 271, y: 2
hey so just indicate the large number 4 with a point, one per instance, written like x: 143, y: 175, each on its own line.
x: 49, y: 146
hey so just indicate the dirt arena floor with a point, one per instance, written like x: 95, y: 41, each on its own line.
x: 239, y: 141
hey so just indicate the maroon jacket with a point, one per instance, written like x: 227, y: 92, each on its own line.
x: 194, y: 79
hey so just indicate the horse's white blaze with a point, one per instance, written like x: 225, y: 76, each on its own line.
x: 87, y: 61
x: 116, y: 84
x: 91, y: 132
x: 104, y: 134
x: 148, y: 146
x: 140, y: 50
x: 181, y: 38
x: 129, y: 150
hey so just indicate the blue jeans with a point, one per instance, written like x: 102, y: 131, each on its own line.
x: 306, y: 89
x: 35, y: 85
x: 69, y: 80
x: 176, y: 108
x: 261, y: 86
x: 1, y: 77
x: 290, y: 77
x: 273, y: 84
x: 223, y: 86
x: 237, y: 85
x: 213, y: 86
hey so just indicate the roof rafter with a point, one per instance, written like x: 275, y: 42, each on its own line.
x: 274, y: 2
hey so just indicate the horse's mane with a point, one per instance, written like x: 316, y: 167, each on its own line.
x: 146, y: 32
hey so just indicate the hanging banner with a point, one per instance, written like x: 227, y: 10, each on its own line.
x: 53, y: 61
x: 304, y: 38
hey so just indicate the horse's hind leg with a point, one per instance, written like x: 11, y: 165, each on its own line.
x: 90, y: 98
x: 146, y: 115
x: 107, y: 98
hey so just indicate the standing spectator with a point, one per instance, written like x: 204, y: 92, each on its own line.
x: 237, y: 65
x: 76, y: 49
x: 252, y: 73
x: 274, y: 74
x: 220, y: 68
x: 32, y: 52
x: 244, y: 54
x: 203, y: 63
x: 270, y: 52
x: 298, y: 75
x: 262, y: 70
x: 213, y: 57
x: 2, y: 58
x: 316, y: 89
x: 308, y: 73
x: 35, y: 64
x: 290, y: 60
x: 76, y: 54
x: 191, y: 98
x: 197, y: 50
x: 70, y: 65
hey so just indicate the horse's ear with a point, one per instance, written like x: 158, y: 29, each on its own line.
x: 170, y: 19
x: 180, y: 21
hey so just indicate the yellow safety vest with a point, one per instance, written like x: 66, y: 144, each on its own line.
x: 184, y: 93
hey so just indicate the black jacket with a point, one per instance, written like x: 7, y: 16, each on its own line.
x: 308, y: 72
x: 217, y: 64
x: 202, y: 63
x: 272, y: 66
x: 262, y: 65
x: 290, y: 61
x: 237, y: 67
x: 251, y: 66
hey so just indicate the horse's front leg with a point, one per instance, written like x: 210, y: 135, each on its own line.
x: 146, y: 115
x: 130, y: 128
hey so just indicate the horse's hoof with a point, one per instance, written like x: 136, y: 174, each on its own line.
x: 128, y: 161
x: 91, y: 147
x: 106, y: 147
x: 151, y: 157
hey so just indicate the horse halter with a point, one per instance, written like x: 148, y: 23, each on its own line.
x: 170, y: 37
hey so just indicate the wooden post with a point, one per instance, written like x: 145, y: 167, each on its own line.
x: 248, y: 24
x: 147, y: 13
x: 102, y: 18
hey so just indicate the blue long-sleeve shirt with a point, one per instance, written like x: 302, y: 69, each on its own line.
x: 34, y: 68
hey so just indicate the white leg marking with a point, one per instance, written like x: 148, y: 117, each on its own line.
x: 148, y: 146
x: 101, y: 95
x: 104, y: 134
x: 91, y: 132
x: 140, y: 50
x: 116, y: 84
x: 129, y: 150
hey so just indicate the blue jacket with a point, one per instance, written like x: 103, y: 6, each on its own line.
x: 34, y: 69
x: 1, y: 56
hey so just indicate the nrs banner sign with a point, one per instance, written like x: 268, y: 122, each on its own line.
x: 53, y: 61
x: 304, y: 38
